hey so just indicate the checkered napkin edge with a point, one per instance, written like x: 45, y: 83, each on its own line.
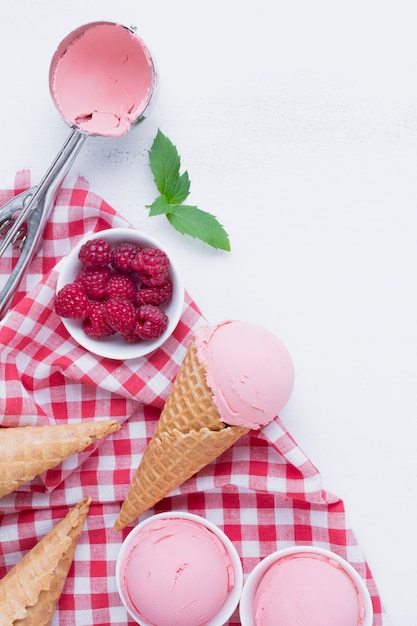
x: 264, y: 492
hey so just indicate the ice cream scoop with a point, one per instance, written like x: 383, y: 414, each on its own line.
x: 179, y: 569
x: 305, y: 586
x: 103, y: 81
x: 102, y: 78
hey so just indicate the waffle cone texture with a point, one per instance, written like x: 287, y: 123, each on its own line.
x: 31, y: 589
x: 27, y: 451
x: 188, y: 436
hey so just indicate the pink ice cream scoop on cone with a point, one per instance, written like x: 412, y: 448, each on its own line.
x: 235, y: 377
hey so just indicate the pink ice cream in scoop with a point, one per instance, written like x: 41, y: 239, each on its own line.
x: 103, y: 79
x: 248, y: 370
x: 176, y: 572
x: 307, y: 589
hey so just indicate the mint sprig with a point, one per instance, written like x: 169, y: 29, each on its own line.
x: 174, y: 189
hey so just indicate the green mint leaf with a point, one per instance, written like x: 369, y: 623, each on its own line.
x: 179, y: 191
x: 190, y: 220
x: 174, y: 188
x: 165, y: 165
x: 164, y: 162
x: 159, y: 206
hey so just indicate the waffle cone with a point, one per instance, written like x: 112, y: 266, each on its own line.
x: 188, y: 436
x: 26, y: 451
x: 31, y: 589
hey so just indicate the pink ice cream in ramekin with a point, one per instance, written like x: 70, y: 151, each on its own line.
x: 305, y: 586
x: 177, y: 569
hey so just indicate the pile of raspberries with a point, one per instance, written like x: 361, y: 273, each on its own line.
x: 118, y: 290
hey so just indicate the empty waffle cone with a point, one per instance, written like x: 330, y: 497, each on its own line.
x: 31, y: 589
x: 27, y: 451
x: 188, y: 436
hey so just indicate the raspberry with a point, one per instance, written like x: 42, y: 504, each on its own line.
x: 155, y: 295
x: 152, y: 322
x: 95, y: 252
x: 71, y: 301
x: 131, y: 337
x: 152, y: 264
x: 121, y: 285
x: 122, y: 256
x: 94, y: 280
x: 120, y: 314
x: 96, y: 324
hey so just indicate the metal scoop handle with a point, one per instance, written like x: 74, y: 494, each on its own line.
x: 35, y: 206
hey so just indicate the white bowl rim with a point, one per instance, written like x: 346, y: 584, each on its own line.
x: 114, y: 347
x: 234, y: 596
x: 254, y: 578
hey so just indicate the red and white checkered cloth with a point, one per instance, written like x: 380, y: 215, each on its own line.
x: 263, y: 492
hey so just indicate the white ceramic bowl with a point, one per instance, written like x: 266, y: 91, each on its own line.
x: 233, y: 598
x: 115, y: 347
x: 251, y: 585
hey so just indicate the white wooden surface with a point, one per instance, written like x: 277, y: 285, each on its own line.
x: 297, y: 122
